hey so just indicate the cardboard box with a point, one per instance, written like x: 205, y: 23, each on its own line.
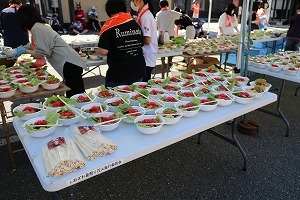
x: 200, y: 63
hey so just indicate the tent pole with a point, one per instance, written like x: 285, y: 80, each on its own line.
x: 209, y: 17
x: 240, y: 54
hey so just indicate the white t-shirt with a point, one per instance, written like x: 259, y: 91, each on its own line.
x: 165, y: 20
x: 148, y: 26
x: 222, y: 24
x: 93, y: 14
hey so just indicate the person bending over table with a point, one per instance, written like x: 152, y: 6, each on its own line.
x: 228, y: 21
x: 121, y: 39
x: 146, y: 20
x: 45, y: 42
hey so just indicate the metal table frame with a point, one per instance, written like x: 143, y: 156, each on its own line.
x: 284, y: 77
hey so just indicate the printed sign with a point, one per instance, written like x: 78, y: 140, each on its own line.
x: 95, y: 172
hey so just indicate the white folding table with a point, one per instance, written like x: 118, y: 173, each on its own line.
x: 132, y: 144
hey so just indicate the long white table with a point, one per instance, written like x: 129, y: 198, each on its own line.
x: 281, y: 75
x: 93, y: 64
x: 269, y: 39
x: 132, y: 144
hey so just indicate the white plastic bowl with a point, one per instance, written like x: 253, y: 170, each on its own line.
x: 161, y: 50
x: 71, y: 121
x: 256, y: 95
x: 273, y: 68
x: 78, y: 104
x: 113, y: 108
x: 49, y: 108
x: 8, y: 94
x: 100, y: 99
x: 39, y: 133
x: 184, y: 98
x: 176, y: 87
x: 50, y: 86
x: 141, y: 85
x: 131, y: 119
x: 28, y: 116
x: 185, y: 112
x: 207, y: 107
x: 152, y: 111
x: 10, y: 52
x: 223, y: 102
x: 89, y: 106
x: 134, y: 102
x: 252, y: 83
x: 108, y: 127
x: 28, y: 89
x: 169, y: 121
x: 153, y: 96
x: 4, y: 83
x: 260, y: 65
x: 288, y: 71
x: 242, y: 100
x: 168, y: 103
x: 148, y: 130
x: 94, y: 57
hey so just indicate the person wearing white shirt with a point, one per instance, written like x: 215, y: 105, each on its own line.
x: 146, y: 20
x: 165, y: 18
x: 93, y: 19
x: 228, y: 21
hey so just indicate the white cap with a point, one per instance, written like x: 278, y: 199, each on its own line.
x: 93, y: 8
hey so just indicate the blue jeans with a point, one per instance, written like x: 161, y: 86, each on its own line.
x: 292, y: 44
x: 114, y: 84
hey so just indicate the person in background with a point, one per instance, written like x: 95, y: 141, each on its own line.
x: 121, y: 39
x: 78, y: 28
x: 185, y: 22
x: 165, y: 18
x: 228, y: 21
x: 293, y: 34
x: 54, y: 23
x: 255, y: 18
x: 196, y: 10
x: 93, y: 19
x: 45, y: 42
x: 199, y: 29
x: 262, y: 14
x: 79, y: 14
x: 147, y: 22
x: 13, y: 35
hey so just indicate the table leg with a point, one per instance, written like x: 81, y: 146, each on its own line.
x: 274, y: 46
x: 237, y: 143
x: 234, y: 141
x: 6, y: 134
x: 168, y: 65
x: 163, y: 65
x: 296, y: 92
x: 279, y: 110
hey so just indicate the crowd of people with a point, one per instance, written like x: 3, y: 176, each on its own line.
x: 129, y: 44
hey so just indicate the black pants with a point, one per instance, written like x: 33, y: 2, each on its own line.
x: 148, y: 74
x: 292, y: 44
x: 73, y: 79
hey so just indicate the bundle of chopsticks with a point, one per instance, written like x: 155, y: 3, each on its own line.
x: 92, y: 144
x: 63, y: 158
